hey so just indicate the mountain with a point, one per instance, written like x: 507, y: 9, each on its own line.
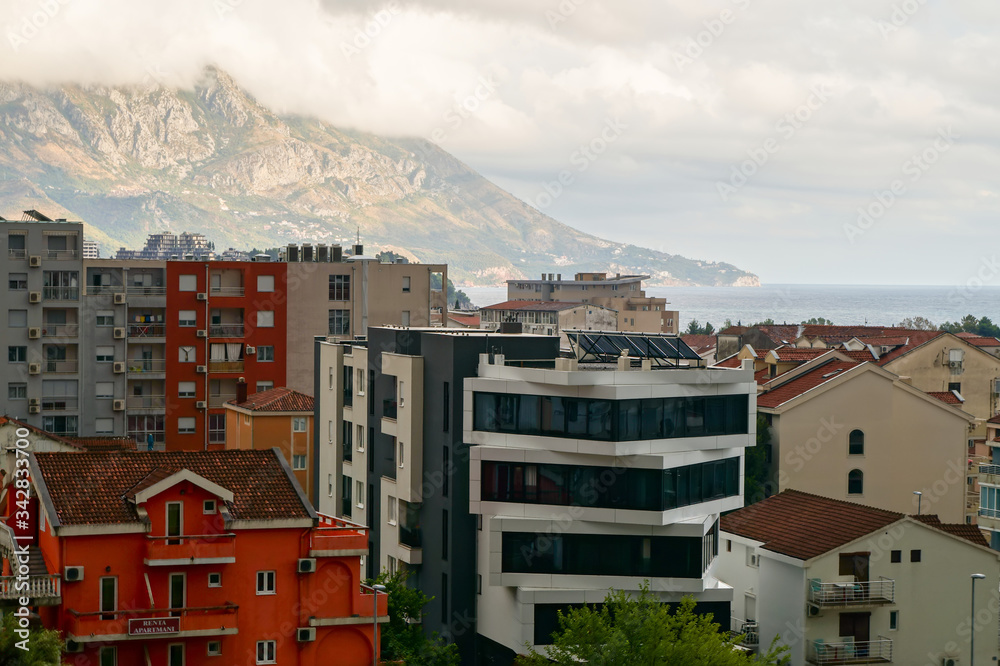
x: 134, y: 160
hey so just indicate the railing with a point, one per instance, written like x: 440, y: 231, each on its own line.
x: 748, y: 629
x: 227, y: 291
x: 851, y: 652
x: 146, y: 402
x: 60, y: 254
x: 226, y: 330
x: 220, y: 399
x: 59, y: 403
x: 39, y: 587
x: 61, y: 293
x: 143, y: 446
x: 60, y: 330
x: 61, y: 367
x: 864, y: 593
x: 95, y: 289
x: 338, y: 534
x: 389, y: 408
x: 210, y: 620
x: 17, y: 254
x: 135, y: 290
x: 410, y: 536
x: 191, y: 547
x: 225, y: 366
x: 989, y: 474
x: 147, y: 330
x: 142, y: 365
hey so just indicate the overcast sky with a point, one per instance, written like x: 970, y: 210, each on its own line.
x: 748, y: 131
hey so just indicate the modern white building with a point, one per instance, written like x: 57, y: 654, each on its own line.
x: 843, y: 583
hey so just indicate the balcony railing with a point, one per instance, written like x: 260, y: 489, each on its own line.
x: 194, y: 549
x: 851, y: 652
x: 140, y: 441
x: 227, y: 291
x: 61, y: 293
x: 410, y: 536
x: 989, y: 474
x: 226, y: 330
x: 143, y: 365
x: 136, y: 290
x: 60, y: 367
x: 147, y: 330
x: 208, y: 620
x: 59, y: 403
x: 389, y: 408
x: 17, y: 254
x: 60, y: 330
x: 748, y: 629
x: 146, y: 402
x: 220, y: 399
x: 225, y: 366
x: 60, y: 254
x: 866, y: 593
x: 337, y: 534
x: 39, y: 587
x: 95, y: 289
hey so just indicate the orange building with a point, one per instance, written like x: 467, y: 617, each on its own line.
x: 190, y: 558
x: 280, y: 418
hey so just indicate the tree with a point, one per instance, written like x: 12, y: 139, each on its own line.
x: 44, y: 645
x: 969, y: 324
x: 404, y: 640
x: 917, y: 324
x: 817, y: 321
x: 627, y: 631
x: 694, y: 328
x: 755, y: 465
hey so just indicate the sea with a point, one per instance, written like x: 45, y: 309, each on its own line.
x: 877, y: 305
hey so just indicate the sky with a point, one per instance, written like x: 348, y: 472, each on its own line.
x: 853, y: 142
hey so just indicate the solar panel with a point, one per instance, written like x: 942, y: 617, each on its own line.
x: 606, y: 347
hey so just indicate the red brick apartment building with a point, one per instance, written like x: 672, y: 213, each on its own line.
x: 191, y: 558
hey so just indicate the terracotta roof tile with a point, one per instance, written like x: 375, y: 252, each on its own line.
x: 699, y: 342
x: 277, y: 400
x: 729, y: 362
x: 917, y: 338
x: 91, y: 488
x: 859, y: 355
x: 471, y: 321
x: 798, y: 385
x: 947, y: 397
x: 979, y: 340
x: 961, y: 530
x: 994, y: 419
x: 123, y: 443
x: 791, y: 354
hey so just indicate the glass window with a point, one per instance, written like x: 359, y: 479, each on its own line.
x: 105, y: 354
x: 340, y: 287
x: 299, y: 424
x: 109, y: 656
x: 265, y: 283
x: 265, y: 353
x: 264, y: 385
x: 216, y: 428
x: 17, y: 281
x: 187, y: 283
x: 406, y: 283
x: 265, y: 582
x: 104, y: 426
x: 266, y: 652
x: 265, y: 319
x: 214, y: 647
x: 298, y: 462
x: 405, y: 318
x: 359, y: 492
x: 186, y: 424
x: 17, y: 391
x: 187, y: 354
x: 17, y: 354
x: 186, y: 390
x: 855, y: 482
x: 187, y: 318
x: 17, y: 318
x: 105, y: 318
x: 339, y: 322
x: 856, y: 443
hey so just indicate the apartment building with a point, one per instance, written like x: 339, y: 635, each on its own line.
x: 623, y: 293
x: 191, y: 563
x: 549, y: 317
x: 844, y: 583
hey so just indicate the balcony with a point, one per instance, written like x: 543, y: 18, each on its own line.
x: 140, y: 366
x: 850, y: 652
x: 42, y: 590
x: 225, y: 366
x: 411, y: 537
x: 227, y: 291
x: 60, y: 330
x: 868, y: 593
x: 60, y: 367
x: 98, y: 626
x: 748, y: 629
x: 60, y: 255
x: 989, y: 474
x: 138, y: 290
x: 146, y: 402
x: 14, y: 253
x: 389, y: 408
x: 220, y: 400
x: 147, y: 331
x: 226, y: 330
x: 365, y: 604
x: 195, y: 549
x: 60, y: 293
x: 60, y: 403
x: 336, y: 537
x: 98, y: 289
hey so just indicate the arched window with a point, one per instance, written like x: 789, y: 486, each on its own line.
x: 856, y: 443
x: 855, y: 482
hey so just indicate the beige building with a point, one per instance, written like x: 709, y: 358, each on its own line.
x: 549, y: 317
x: 861, y: 433
x: 624, y: 293
x: 843, y: 583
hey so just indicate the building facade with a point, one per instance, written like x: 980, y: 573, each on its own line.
x: 549, y: 317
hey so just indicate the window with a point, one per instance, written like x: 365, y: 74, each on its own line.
x: 216, y: 428
x: 104, y: 426
x: 361, y: 382
x: 17, y: 391
x: 444, y: 534
x: 17, y: 354
x: 445, y: 407
x: 208, y: 507
x: 893, y: 620
x: 855, y: 482
x: 105, y: 354
x: 392, y: 566
x: 405, y: 318
x: 265, y: 582
x: 175, y: 654
x: 298, y: 461
x: 444, y: 598
x: 914, y: 555
x: 401, y: 393
x: 955, y: 386
x: 264, y: 385
x: 265, y: 652
x: 187, y: 283
x: 400, y: 455
x: 186, y: 425
x: 265, y: 353
x: 214, y: 647
x: 265, y: 319
x: 187, y: 354
x: 105, y: 318
x: 186, y: 390
x: 17, y: 318
x: 340, y: 287
x: 406, y: 283
x: 329, y: 485
x: 265, y: 283
x: 359, y: 490
x: 215, y: 579
x: 109, y: 656
x: 345, y: 496
x: 108, y: 597
x: 896, y: 556
x: 60, y: 285
x: 299, y: 424
x: 445, y: 470
x: 361, y: 437
x: 17, y: 281
x: 187, y: 318
x: 391, y: 510
x: 339, y: 322
x: 856, y: 443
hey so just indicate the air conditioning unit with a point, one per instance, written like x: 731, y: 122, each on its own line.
x: 201, y: 369
x: 201, y: 404
x: 202, y: 333
x: 34, y: 368
x: 118, y: 405
x: 34, y: 333
x: 813, y: 609
x: 307, y: 565
x: 72, y: 574
x: 72, y: 647
x: 35, y: 260
x: 954, y: 364
x: 119, y: 334
x: 305, y: 634
x: 34, y: 409
x: 202, y: 296
x: 34, y: 402
x: 120, y: 298
x: 119, y: 367
x: 250, y: 351
x: 35, y: 297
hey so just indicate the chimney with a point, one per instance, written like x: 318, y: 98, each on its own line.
x: 241, y: 391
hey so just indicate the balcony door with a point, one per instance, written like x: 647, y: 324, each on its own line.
x: 177, y: 593
x: 856, y: 627
x: 109, y: 597
x: 175, y: 519
x: 855, y: 564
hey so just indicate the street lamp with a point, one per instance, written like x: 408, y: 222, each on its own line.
x: 920, y: 496
x: 375, y: 590
x: 972, y: 619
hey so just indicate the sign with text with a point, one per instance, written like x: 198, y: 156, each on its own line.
x: 148, y: 626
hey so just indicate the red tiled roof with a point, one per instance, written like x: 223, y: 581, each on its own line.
x: 729, y: 362
x: 979, y: 340
x: 21, y: 424
x: 91, y: 488
x: 859, y: 355
x: 961, y: 530
x: 792, y: 354
x: 884, y: 341
x: 947, y: 397
x: 471, y: 321
x: 798, y: 385
x: 763, y: 375
x: 780, y: 332
x: 699, y: 342
x: 917, y: 338
x: 123, y: 443
x: 803, y: 526
x: 535, y: 306
x: 277, y: 400
x: 734, y: 330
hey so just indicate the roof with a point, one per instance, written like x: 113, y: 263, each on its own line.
x: 729, y: 362
x: 795, y: 354
x: 276, y: 400
x: 947, y: 397
x: 994, y: 419
x: 699, y: 342
x: 803, y: 526
x: 471, y: 321
x: 805, y: 382
x: 90, y: 488
x: 537, y: 306
x: 122, y: 443
x: 917, y: 338
x: 961, y: 530
x: 885, y: 340
x: 978, y: 340
x: 734, y: 330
